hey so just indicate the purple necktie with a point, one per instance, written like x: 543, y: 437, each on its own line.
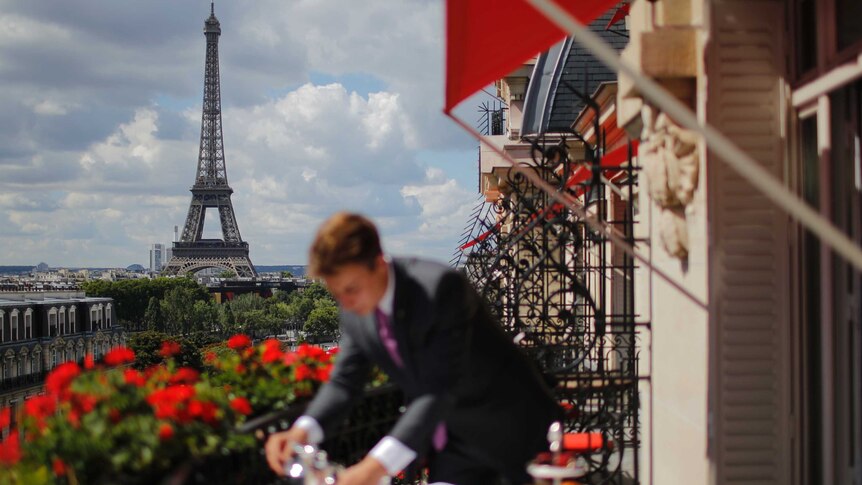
x: 388, y: 339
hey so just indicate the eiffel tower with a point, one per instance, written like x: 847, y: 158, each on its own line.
x: 211, y: 190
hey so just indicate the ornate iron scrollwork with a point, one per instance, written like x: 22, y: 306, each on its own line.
x: 545, y: 274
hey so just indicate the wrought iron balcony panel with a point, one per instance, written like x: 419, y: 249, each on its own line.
x: 548, y: 276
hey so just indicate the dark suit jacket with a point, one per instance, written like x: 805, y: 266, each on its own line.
x: 459, y: 367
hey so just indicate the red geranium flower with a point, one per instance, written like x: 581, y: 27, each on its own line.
x: 59, y: 467
x: 134, y: 378
x: 84, y: 402
x: 311, y: 351
x: 185, y: 375
x: 206, y: 411
x: 89, y: 361
x: 290, y: 358
x: 74, y: 418
x: 169, y: 403
x: 271, y: 351
x: 210, y: 357
x: 10, y: 450
x: 40, y: 407
x: 5, y: 417
x: 303, y: 372
x: 239, y: 341
x: 114, y: 415
x: 322, y: 373
x: 169, y: 349
x: 57, y: 382
x: 119, y: 356
x: 166, y: 432
x: 241, y: 405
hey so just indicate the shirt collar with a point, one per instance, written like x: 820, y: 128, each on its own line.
x: 388, y: 301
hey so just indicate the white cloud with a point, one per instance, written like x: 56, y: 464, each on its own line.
x: 101, y: 116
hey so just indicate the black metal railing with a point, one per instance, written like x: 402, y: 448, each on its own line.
x: 565, y: 294
x: 26, y: 380
x: 369, y: 420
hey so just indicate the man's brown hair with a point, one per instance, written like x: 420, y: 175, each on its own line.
x: 343, y: 239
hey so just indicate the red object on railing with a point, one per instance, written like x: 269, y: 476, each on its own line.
x: 584, y: 442
x: 488, y: 39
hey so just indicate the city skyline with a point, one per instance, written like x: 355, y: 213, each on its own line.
x: 324, y: 108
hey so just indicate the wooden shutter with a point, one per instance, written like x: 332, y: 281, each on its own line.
x: 749, y: 298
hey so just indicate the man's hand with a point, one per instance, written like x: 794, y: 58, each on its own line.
x: 279, y: 447
x: 369, y: 471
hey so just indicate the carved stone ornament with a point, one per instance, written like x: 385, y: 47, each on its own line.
x: 669, y: 157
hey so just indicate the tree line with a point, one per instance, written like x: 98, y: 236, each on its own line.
x: 181, y: 306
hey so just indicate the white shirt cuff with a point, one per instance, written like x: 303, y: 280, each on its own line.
x: 392, y: 454
x: 312, y: 427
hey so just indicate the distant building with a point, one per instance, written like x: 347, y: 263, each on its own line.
x: 39, y: 330
x: 157, y: 257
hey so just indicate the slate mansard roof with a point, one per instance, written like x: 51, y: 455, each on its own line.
x: 550, y: 106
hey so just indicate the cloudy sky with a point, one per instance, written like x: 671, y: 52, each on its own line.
x: 327, y: 105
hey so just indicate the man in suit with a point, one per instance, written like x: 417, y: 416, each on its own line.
x: 478, y: 409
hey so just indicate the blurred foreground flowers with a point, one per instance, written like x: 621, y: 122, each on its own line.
x: 112, y: 423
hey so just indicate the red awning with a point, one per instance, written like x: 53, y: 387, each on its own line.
x: 487, y: 39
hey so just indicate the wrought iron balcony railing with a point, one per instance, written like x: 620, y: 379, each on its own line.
x: 565, y: 294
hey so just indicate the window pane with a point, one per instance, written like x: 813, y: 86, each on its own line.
x: 847, y: 18
x: 806, y: 38
x: 812, y: 358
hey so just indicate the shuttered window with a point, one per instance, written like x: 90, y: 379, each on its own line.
x: 749, y: 405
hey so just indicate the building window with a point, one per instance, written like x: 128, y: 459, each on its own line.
x: 28, y: 324
x: 13, y: 326
x: 2, y: 324
x: 20, y: 370
x: 52, y: 323
x: 62, y: 321
x: 72, y: 319
x: 37, y: 363
x: 108, y: 316
x: 13, y: 418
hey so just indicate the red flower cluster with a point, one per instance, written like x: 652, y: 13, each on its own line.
x: 169, y: 349
x: 316, y: 363
x: 241, y: 405
x: 119, y: 356
x: 271, y: 351
x: 58, y: 381
x: 239, y: 342
x: 59, y: 467
x: 166, y: 431
x: 40, y: 408
x: 134, y: 378
x: 10, y: 450
x: 5, y: 417
x: 172, y: 402
x: 185, y: 375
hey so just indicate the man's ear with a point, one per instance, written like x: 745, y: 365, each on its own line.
x: 379, y: 262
